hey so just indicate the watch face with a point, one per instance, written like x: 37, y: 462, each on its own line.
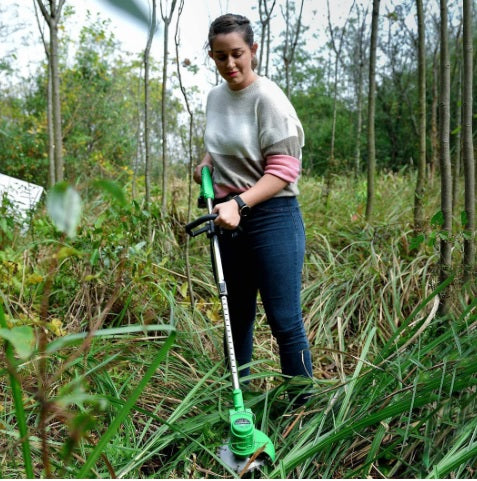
x: 245, y: 210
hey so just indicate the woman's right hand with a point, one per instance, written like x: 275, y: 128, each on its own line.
x: 206, y: 162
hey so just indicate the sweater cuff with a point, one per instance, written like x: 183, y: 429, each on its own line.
x: 285, y: 167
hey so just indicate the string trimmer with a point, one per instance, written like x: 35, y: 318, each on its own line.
x: 247, y: 447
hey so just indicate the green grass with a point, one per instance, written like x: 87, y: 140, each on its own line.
x: 394, y: 384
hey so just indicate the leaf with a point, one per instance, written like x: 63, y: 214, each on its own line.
x: 443, y: 234
x: 137, y: 248
x: 21, y: 338
x: 113, y: 189
x: 64, y: 207
x: 75, y: 394
x: 184, y: 289
x: 416, y: 241
x: 70, y: 339
x: 66, y: 252
x: 438, y: 219
x: 131, y: 8
x: 432, y: 239
x: 456, y: 130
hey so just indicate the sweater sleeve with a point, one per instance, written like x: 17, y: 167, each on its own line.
x: 285, y: 167
x: 281, y: 137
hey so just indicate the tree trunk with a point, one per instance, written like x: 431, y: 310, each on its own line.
x: 165, y: 166
x: 147, y: 171
x: 51, y: 136
x: 371, y: 109
x: 55, y: 88
x: 55, y: 135
x: 191, y: 159
x: 267, y: 59
x: 456, y: 166
x: 165, y: 163
x: 444, y: 156
x: 286, y: 61
x: 337, y: 50
x: 421, y: 170
x: 265, y: 16
x: 434, y: 109
x: 359, y: 99
x: 468, y: 147
x: 292, y: 35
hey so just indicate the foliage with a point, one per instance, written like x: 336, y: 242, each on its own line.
x: 393, y: 391
x: 315, y: 110
x: 22, y: 139
x: 102, y: 101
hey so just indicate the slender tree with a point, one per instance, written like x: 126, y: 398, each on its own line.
x: 434, y: 110
x: 371, y: 110
x: 468, y: 147
x: 52, y: 17
x: 337, y: 46
x: 152, y: 30
x: 189, y: 149
x: 444, y: 154
x: 421, y: 169
x: 456, y: 165
x: 359, y: 55
x: 49, y: 111
x: 292, y: 35
x: 166, y: 18
x: 265, y: 12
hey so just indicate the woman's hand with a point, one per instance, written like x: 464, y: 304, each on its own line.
x: 206, y: 162
x: 228, y: 215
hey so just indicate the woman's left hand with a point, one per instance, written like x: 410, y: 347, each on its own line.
x: 228, y: 215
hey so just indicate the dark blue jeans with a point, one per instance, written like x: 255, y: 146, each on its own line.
x: 266, y: 255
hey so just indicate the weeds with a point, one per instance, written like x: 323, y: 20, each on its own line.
x: 118, y: 375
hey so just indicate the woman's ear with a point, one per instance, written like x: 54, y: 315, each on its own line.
x: 211, y: 55
x: 254, y: 48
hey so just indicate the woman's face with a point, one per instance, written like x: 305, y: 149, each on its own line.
x: 233, y: 59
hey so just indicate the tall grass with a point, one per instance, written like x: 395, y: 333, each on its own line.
x: 394, y: 385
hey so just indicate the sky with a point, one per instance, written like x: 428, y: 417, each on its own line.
x: 194, y: 24
x: 195, y: 20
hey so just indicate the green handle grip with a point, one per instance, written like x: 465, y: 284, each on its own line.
x: 207, y: 187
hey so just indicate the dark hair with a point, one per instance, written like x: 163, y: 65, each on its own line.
x: 229, y: 23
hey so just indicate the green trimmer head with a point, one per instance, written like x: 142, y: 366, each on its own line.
x: 248, y: 447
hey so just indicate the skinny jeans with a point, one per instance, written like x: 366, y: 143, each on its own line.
x: 265, y: 255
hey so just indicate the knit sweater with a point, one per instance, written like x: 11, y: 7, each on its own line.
x: 252, y: 132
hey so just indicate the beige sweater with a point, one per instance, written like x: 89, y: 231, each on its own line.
x: 251, y: 132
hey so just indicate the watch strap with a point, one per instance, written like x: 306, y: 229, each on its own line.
x: 243, y: 207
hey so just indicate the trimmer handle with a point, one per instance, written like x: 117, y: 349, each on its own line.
x: 207, y: 185
x: 205, y: 200
x: 209, y: 228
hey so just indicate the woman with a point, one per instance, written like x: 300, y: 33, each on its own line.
x: 253, y: 140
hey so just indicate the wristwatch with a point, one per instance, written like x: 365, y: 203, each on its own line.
x: 244, y: 209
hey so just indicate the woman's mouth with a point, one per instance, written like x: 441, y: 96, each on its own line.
x: 232, y: 74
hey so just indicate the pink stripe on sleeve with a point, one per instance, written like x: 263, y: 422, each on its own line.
x: 283, y: 166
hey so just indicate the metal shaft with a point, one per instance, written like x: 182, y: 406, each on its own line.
x: 222, y: 286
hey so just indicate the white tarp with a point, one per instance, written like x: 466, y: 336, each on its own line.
x: 22, y: 195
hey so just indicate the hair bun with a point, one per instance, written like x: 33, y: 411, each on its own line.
x: 228, y: 23
x: 242, y: 20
